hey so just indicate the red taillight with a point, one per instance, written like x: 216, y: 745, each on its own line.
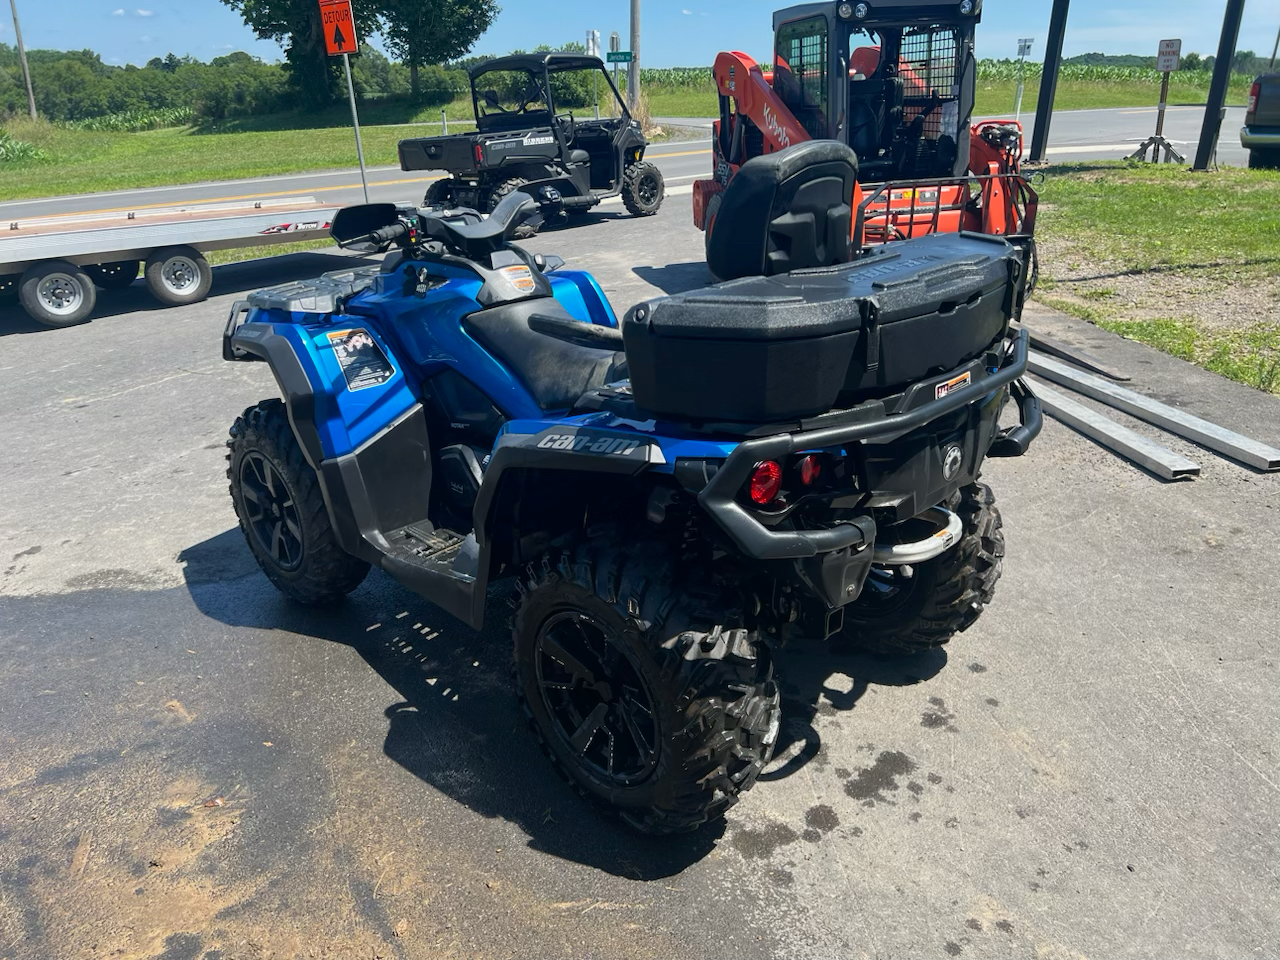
x: 766, y: 481
x: 479, y: 155
x: 1253, y: 97
x: 810, y: 467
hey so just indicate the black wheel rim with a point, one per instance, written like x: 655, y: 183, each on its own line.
x: 886, y: 590
x: 597, y: 700
x: 271, y: 511
x: 647, y: 189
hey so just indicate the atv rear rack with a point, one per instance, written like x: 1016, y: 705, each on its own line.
x: 720, y: 496
x: 902, y: 209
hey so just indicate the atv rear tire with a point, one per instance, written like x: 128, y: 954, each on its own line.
x: 897, y: 614
x: 645, y: 697
x: 500, y: 193
x: 282, y: 513
x: 642, y: 189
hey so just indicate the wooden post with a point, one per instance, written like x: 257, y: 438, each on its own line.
x: 22, y: 58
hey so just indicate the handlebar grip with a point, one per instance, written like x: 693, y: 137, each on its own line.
x: 393, y: 232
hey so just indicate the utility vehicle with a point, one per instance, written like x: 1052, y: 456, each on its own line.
x: 528, y: 136
x: 793, y: 453
x: 1260, y: 134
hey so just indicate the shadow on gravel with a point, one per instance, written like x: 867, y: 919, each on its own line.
x: 228, y: 279
x: 676, y: 277
x: 457, y: 726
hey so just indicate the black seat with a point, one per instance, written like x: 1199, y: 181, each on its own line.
x: 579, y: 156
x: 785, y: 211
x: 556, y: 373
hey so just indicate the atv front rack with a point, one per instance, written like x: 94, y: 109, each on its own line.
x: 871, y: 421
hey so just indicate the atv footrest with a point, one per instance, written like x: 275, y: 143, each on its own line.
x: 423, y: 544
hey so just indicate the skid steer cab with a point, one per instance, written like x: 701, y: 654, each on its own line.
x: 542, y: 120
x: 894, y: 81
x: 667, y: 498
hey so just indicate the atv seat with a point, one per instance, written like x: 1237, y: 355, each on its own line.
x: 554, y: 372
x: 786, y: 211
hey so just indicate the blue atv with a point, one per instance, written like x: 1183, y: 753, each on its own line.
x: 791, y: 453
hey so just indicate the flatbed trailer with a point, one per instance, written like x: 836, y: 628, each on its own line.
x: 56, y: 265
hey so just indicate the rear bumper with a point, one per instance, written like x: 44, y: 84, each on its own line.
x: 1252, y: 138
x: 754, y: 539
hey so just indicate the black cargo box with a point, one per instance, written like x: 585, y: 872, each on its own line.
x: 454, y: 153
x: 762, y: 349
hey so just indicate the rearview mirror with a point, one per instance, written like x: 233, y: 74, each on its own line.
x: 350, y: 223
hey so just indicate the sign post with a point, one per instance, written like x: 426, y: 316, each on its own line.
x: 340, y: 39
x: 615, y: 44
x: 1024, y: 48
x: 1166, y: 62
x: 593, y: 50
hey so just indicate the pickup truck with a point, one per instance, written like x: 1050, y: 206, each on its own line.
x: 1260, y: 134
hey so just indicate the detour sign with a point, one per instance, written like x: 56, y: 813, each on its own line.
x: 339, y: 27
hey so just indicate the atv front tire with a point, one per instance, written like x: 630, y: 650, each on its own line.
x: 645, y: 697
x: 897, y: 613
x: 282, y: 513
x: 642, y: 189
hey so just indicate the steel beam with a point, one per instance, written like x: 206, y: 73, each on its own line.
x: 1227, y: 442
x: 1211, y: 126
x: 1161, y: 461
x: 1074, y: 355
x: 1049, y: 79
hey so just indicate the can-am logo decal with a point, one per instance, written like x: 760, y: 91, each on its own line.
x: 580, y: 443
x: 951, y: 461
x: 777, y: 129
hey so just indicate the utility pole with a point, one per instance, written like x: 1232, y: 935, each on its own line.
x: 633, y: 68
x: 1213, y: 110
x: 1274, y: 47
x: 22, y: 58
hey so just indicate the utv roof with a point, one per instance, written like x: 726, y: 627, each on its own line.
x: 536, y: 62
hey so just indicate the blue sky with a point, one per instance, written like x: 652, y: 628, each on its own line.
x: 676, y: 32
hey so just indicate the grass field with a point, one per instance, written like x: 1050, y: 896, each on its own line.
x: 1186, y: 262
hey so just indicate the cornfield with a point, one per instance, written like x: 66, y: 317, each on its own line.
x: 19, y: 151
x: 677, y: 78
x: 136, y: 120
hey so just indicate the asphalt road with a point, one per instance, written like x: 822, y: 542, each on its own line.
x: 191, y: 767
x: 1076, y: 135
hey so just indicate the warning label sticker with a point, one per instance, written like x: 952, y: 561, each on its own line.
x: 362, y: 361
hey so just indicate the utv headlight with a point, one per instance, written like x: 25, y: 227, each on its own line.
x: 860, y: 10
x: 966, y: 7
x: 845, y: 11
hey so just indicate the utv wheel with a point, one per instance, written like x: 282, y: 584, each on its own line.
x: 179, y: 275
x: 438, y: 193
x: 1264, y: 159
x: 646, y: 699
x: 908, y: 610
x: 281, y: 512
x: 500, y: 193
x: 642, y: 189
x: 57, y: 293
x: 114, y: 276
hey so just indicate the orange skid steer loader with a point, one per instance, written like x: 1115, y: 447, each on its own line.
x: 894, y: 81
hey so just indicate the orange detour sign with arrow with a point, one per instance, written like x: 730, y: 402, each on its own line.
x: 339, y: 27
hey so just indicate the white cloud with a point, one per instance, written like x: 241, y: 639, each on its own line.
x: 118, y: 13
x: 687, y: 13
x: 144, y: 13
x: 144, y: 39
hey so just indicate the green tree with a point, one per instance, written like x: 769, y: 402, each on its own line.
x: 296, y: 26
x: 421, y: 32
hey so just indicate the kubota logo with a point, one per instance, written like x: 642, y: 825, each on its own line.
x: 777, y: 129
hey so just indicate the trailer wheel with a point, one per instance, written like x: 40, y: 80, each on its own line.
x: 178, y: 276
x: 57, y: 293
x: 114, y: 276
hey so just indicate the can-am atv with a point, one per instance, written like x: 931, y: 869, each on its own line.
x: 782, y: 455
x: 528, y: 137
